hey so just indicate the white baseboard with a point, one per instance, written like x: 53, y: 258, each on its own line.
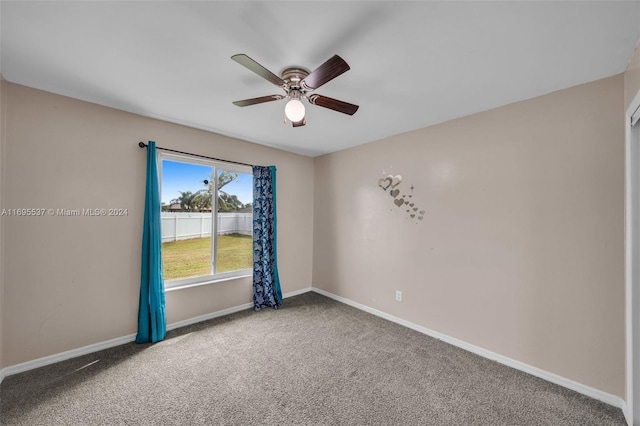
x: 297, y: 292
x: 73, y: 353
x: 206, y: 317
x: 227, y: 311
x: 534, y: 371
x: 608, y: 398
x: 62, y: 356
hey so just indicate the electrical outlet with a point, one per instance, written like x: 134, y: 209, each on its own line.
x: 398, y: 296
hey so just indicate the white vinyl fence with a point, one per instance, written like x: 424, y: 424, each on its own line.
x: 182, y: 226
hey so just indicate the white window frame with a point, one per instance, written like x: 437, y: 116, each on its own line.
x: 216, y: 166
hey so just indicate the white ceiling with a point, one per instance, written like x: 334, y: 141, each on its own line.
x: 413, y: 64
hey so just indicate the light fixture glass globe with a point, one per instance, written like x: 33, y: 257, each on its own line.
x: 294, y: 110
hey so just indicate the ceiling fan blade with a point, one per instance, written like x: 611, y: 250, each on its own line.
x: 243, y: 59
x: 334, y: 104
x: 299, y: 123
x: 260, y: 100
x: 324, y: 73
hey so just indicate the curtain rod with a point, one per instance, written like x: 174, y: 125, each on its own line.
x: 144, y: 145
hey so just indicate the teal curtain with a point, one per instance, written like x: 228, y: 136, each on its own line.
x: 152, y: 323
x: 266, y: 282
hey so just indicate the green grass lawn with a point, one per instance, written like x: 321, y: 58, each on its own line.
x: 191, y: 258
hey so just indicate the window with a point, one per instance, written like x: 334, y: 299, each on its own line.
x: 206, y: 220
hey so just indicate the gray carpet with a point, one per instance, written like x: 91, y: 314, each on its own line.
x: 312, y: 362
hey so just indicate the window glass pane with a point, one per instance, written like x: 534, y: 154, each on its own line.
x: 187, y: 220
x: 234, y: 248
x: 206, y: 219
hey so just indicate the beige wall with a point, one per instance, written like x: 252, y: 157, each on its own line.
x: 632, y: 78
x: 520, y: 251
x: 74, y: 281
x: 3, y: 109
x: 521, y: 248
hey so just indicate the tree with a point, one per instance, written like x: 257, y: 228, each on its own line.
x: 226, y: 177
x: 202, y: 200
x: 226, y: 202
x: 186, y: 200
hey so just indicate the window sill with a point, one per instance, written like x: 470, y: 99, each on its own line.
x: 208, y: 282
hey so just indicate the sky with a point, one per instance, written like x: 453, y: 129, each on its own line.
x: 177, y: 176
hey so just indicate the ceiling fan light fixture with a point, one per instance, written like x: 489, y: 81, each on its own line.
x: 294, y: 110
x: 297, y: 83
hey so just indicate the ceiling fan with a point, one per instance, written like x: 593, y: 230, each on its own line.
x: 298, y: 83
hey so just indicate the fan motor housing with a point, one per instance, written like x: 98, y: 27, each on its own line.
x: 293, y: 76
